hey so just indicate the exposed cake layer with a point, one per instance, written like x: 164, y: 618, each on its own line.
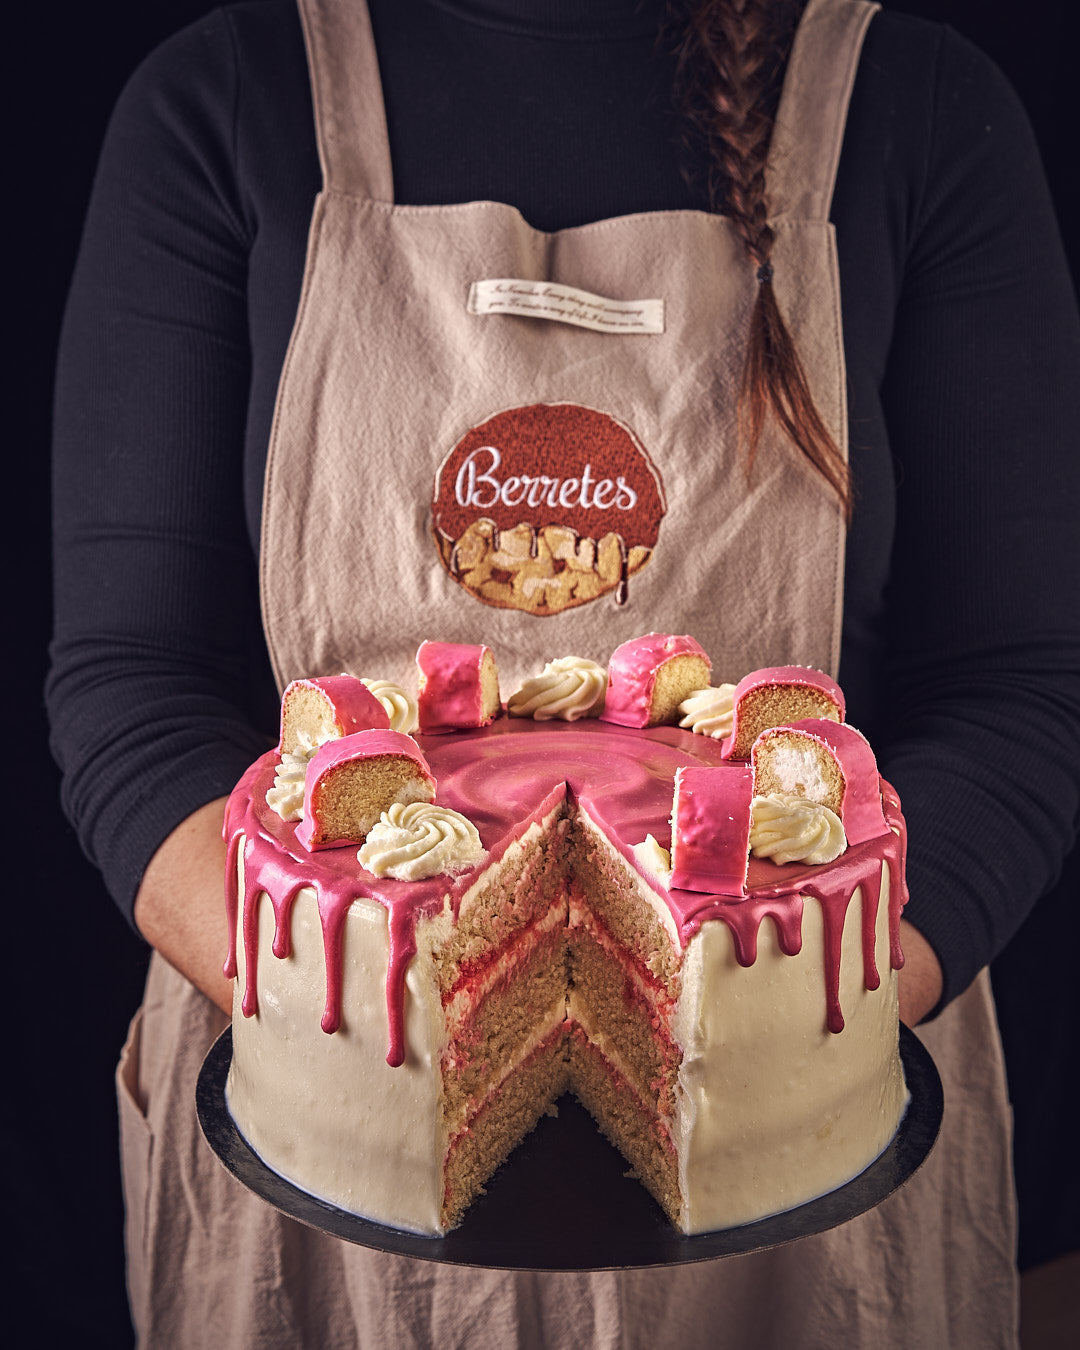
x: 525, y: 887
x: 615, y: 1008
x: 497, y: 1019
x: 628, y: 1120
x: 505, y: 1117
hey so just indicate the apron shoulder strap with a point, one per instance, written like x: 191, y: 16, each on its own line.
x: 350, y: 118
x: 809, y: 130
x: 346, y: 92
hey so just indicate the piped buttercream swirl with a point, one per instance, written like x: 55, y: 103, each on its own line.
x: 286, y: 797
x: 568, y: 688
x: 792, y: 829
x: 654, y: 859
x: 708, y: 712
x: 417, y: 840
x: 400, y: 706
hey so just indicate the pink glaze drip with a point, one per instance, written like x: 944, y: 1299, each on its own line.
x: 801, y: 677
x: 506, y: 776
x: 632, y: 670
x: 451, y: 692
x: 871, y: 900
x: 402, y: 950
x: 332, y: 917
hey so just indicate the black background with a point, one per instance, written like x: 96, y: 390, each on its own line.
x: 77, y: 967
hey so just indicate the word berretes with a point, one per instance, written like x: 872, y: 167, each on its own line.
x: 478, y: 486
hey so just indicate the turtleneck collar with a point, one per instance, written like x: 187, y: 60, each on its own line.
x: 561, y: 20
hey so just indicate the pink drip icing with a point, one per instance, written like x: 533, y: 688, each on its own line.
x: 504, y: 777
x: 232, y: 886
x: 402, y: 951
x: 833, y: 887
x: 333, y: 908
x: 871, y: 897
x: 745, y: 918
x: 250, y: 1003
x: 282, y: 945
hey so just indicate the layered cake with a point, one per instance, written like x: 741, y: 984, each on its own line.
x: 582, y: 905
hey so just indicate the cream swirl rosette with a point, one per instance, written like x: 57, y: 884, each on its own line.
x: 792, y: 829
x: 709, y: 712
x: 400, y: 706
x: 418, y: 839
x: 654, y: 859
x: 567, y: 689
x: 286, y: 797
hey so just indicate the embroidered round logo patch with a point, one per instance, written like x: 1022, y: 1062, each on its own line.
x: 546, y: 507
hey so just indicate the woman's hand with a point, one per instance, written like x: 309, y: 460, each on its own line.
x: 920, y: 978
x: 180, y: 907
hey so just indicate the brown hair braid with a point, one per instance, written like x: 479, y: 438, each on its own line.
x: 730, y: 58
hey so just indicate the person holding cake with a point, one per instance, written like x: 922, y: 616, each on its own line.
x: 510, y: 325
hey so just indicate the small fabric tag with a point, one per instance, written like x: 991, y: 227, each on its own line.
x: 565, y: 304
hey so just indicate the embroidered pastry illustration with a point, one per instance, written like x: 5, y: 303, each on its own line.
x: 546, y: 507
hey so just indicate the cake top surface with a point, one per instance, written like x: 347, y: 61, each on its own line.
x: 504, y: 776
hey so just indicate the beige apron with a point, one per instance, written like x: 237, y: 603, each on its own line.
x: 390, y: 368
x: 453, y: 447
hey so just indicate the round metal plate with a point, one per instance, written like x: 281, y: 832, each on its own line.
x: 563, y: 1200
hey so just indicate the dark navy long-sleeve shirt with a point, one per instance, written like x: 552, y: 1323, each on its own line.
x: 961, y: 638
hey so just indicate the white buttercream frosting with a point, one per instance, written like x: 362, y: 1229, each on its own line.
x: 286, y: 797
x: 654, y: 859
x: 417, y: 840
x: 400, y: 706
x: 568, y: 688
x: 792, y: 829
x: 708, y: 712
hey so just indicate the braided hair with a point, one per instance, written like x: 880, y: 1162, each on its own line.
x: 730, y: 60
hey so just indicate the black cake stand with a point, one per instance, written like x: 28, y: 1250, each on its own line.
x: 564, y: 1199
